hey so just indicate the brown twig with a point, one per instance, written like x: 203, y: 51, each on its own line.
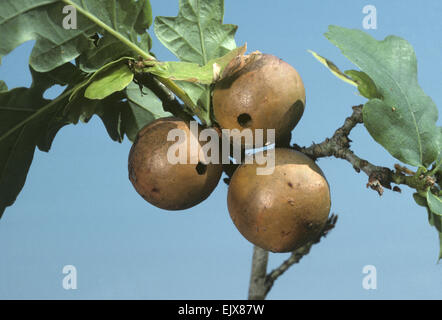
x: 338, y: 146
x: 299, y: 253
x: 260, y: 282
x: 378, y: 177
x: 257, y: 286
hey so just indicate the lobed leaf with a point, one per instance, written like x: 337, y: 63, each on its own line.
x: 404, y: 121
x: 197, y: 35
x: 144, y: 107
x: 27, y: 121
x: 42, y: 21
x: 129, y: 19
x: 123, y: 113
x: 120, y: 24
x: 107, y: 30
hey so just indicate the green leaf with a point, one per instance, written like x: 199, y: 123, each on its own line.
x: 123, y: 113
x: 129, y: 19
x: 366, y: 86
x: 438, y: 163
x: 199, y: 93
x: 200, y: 96
x: 65, y: 75
x: 144, y: 107
x: 193, y: 72
x: 42, y: 20
x: 186, y: 71
x: 102, y: 72
x: 145, y: 18
x: 404, y: 122
x: 108, y: 109
x: 113, y: 79
x: 422, y: 201
x: 433, y: 219
x: 436, y: 221
x: 197, y: 34
x: 27, y: 120
x: 333, y: 69
x: 434, y: 203
x: 3, y: 86
x: 16, y: 150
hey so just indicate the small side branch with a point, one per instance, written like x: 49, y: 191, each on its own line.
x: 258, y: 288
x: 338, y: 146
x: 298, y: 254
x: 261, y: 282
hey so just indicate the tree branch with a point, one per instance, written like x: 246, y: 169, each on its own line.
x: 260, y: 282
x: 257, y: 286
x: 339, y: 146
x: 379, y: 177
x: 299, y: 253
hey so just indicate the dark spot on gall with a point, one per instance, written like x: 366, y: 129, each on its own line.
x: 201, y: 168
x: 244, y: 120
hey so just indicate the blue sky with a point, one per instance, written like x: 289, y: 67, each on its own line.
x: 79, y: 208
